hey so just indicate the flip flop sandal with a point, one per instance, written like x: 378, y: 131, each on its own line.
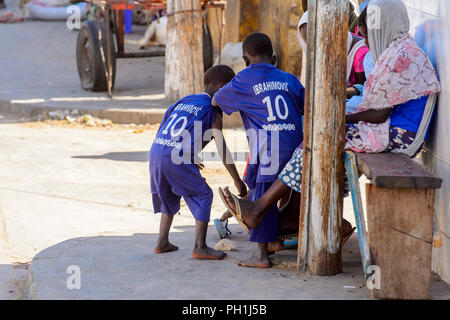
x: 222, y: 228
x: 206, y: 257
x: 347, y: 236
x: 259, y: 266
x: 237, y: 214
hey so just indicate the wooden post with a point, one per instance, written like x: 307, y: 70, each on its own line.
x: 323, y: 166
x: 249, y: 20
x: 184, y: 49
x: 274, y: 21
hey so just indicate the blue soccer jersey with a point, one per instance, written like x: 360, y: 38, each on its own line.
x: 184, y: 125
x: 270, y: 102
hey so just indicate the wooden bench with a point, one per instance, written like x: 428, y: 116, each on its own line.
x: 400, y: 210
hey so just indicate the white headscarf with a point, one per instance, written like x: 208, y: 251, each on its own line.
x: 380, y: 27
x: 302, y: 21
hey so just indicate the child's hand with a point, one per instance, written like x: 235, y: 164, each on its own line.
x: 241, y: 187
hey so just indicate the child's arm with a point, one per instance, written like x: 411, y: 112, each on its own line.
x: 227, y: 157
x: 214, y: 103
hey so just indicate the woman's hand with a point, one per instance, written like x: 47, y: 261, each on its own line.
x: 371, y: 116
x: 351, y: 91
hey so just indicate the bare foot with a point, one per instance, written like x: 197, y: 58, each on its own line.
x: 346, y: 227
x: 275, y: 246
x: 248, y: 210
x: 163, y: 248
x: 346, y: 232
x: 208, y: 253
x: 255, y: 262
x: 259, y: 259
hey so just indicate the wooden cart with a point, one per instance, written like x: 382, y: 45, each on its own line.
x: 101, y: 41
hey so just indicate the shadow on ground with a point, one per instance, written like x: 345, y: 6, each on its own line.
x: 142, y: 156
x: 138, y: 156
x: 125, y: 267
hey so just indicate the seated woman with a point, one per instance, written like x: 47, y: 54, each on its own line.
x: 356, y: 51
x: 387, y: 119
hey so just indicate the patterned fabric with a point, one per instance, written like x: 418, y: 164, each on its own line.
x: 355, y: 59
x: 398, y: 138
x: 291, y: 175
x: 403, y: 72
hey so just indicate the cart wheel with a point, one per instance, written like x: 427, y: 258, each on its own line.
x: 208, y: 50
x: 89, y: 58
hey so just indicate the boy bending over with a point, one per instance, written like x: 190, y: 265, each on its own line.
x: 174, y: 166
x: 270, y: 102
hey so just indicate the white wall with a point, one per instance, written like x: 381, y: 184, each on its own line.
x: 430, y: 26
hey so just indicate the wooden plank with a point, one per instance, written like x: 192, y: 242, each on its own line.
x: 393, y: 170
x: 323, y: 168
x: 353, y: 179
x: 400, y: 224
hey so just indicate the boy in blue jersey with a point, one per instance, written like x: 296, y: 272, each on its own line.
x: 174, y: 166
x: 270, y: 102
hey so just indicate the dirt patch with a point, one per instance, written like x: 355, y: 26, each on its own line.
x: 90, y: 123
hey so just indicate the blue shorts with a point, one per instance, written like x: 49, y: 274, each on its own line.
x: 266, y: 231
x: 169, y: 182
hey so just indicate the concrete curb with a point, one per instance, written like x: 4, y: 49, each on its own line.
x: 121, y: 116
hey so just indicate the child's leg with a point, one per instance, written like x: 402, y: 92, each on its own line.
x: 265, y: 232
x: 200, y: 206
x: 260, y: 259
x: 201, y: 249
x: 163, y: 245
x: 225, y: 216
x: 164, y: 200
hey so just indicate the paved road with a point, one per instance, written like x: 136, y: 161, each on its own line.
x: 39, y: 58
x: 87, y: 190
x: 39, y: 74
x: 74, y: 196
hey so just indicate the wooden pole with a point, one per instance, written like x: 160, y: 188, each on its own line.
x: 323, y: 166
x: 184, y: 49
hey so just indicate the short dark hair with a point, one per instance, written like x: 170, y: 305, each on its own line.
x: 362, y: 18
x: 258, y: 44
x: 220, y: 74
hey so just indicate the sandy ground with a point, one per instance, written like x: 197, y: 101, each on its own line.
x: 61, y: 181
x: 50, y: 77
x: 72, y: 194
x: 77, y: 192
